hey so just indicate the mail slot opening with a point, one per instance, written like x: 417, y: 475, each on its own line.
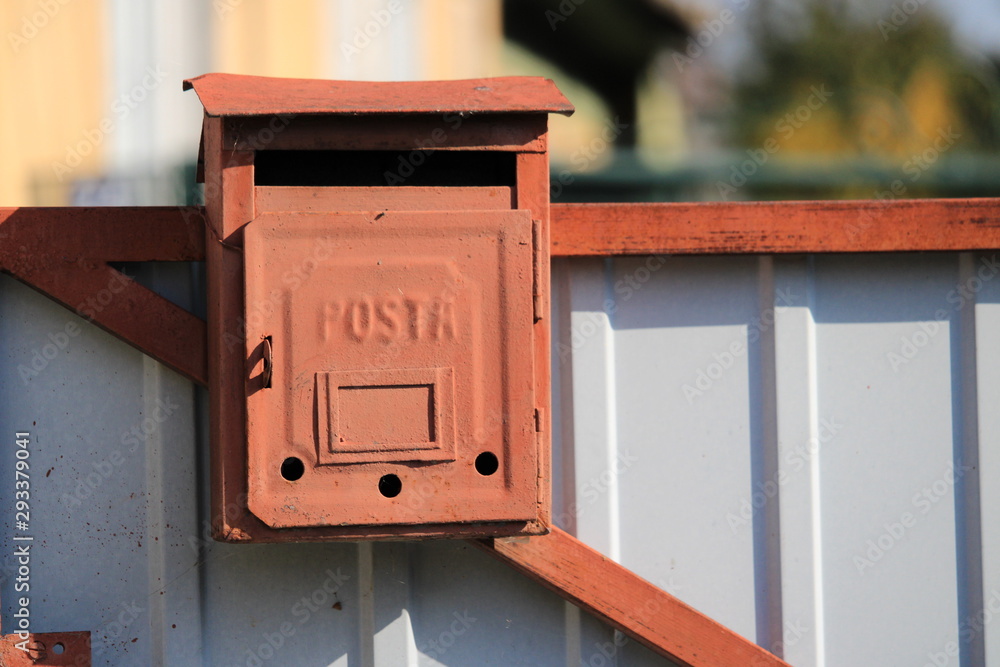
x: 327, y: 168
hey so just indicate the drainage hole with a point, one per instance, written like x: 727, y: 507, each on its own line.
x: 58, y: 648
x: 487, y: 463
x: 390, y: 486
x: 292, y: 468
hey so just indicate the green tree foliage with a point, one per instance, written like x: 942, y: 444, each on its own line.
x: 897, y: 76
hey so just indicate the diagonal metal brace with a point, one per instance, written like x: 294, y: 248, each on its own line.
x: 626, y: 601
x: 63, y: 253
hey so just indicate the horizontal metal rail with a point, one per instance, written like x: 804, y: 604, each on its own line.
x: 775, y: 227
x: 64, y: 253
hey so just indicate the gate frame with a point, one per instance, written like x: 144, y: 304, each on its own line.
x: 65, y: 253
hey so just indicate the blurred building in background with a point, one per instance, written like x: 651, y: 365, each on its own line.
x: 93, y: 110
x: 676, y: 99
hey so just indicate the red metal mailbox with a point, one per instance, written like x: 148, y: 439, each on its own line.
x: 378, y: 306
x: 377, y: 344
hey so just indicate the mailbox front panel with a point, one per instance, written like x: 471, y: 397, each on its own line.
x: 390, y: 373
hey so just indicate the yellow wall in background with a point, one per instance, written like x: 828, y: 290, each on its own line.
x: 52, y: 70
x: 463, y: 40
x: 445, y: 39
x: 55, y: 66
x: 267, y: 38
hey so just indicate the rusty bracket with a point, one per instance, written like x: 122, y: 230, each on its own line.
x: 627, y: 602
x: 46, y: 648
x: 64, y: 253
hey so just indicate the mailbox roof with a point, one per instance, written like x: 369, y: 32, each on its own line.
x: 240, y: 95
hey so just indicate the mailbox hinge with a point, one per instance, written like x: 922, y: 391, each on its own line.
x: 536, y: 268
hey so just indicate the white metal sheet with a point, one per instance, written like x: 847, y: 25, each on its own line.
x: 827, y: 488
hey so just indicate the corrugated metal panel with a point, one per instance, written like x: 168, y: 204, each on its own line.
x: 775, y: 440
x: 840, y: 390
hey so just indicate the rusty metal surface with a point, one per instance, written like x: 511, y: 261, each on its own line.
x: 447, y: 132
x: 51, y: 649
x: 323, y: 199
x: 138, y: 316
x: 230, y: 206
x: 402, y: 354
x: 63, y: 253
x: 109, y: 234
x: 240, y: 95
x: 533, y: 195
x: 775, y: 227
